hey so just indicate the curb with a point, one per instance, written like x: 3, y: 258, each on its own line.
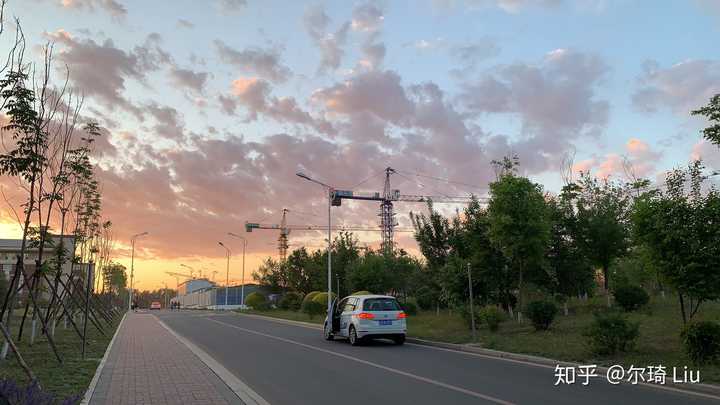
x: 704, y: 390
x: 93, y: 383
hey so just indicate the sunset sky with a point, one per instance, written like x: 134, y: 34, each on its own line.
x: 211, y: 107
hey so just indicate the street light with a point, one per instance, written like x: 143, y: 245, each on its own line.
x: 132, y: 266
x: 192, y: 270
x: 227, y: 274
x: 242, y: 286
x: 329, y: 264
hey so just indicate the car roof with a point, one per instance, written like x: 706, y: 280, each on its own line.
x: 370, y: 296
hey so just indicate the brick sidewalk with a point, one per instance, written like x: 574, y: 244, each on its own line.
x: 148, y: 365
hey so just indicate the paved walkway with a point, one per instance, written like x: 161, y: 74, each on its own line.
x: 148, y: 365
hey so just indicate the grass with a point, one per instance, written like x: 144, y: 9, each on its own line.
x: 659, y: 342
x: 72, y: 377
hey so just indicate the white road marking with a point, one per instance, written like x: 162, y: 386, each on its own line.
x: 380, y: 366
x: 242, y: 390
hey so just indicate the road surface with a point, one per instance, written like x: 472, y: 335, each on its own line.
x: 290, y: 364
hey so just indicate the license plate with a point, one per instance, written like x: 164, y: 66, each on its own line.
x: 385, y: 322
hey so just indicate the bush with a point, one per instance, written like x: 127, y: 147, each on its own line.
x: 492, y: 316
x: 322, y: 298
x: 409, y: 307
x: 32, y: 394
x: 464, y: 312
x: 426, y: 298
x: 610, y: 332
x: 291, y: 301
x: 631, y: 297
x: 309, y: 297
x: 702, y: 342
x: 313, y: 308
x: 361, y: 293
x: 257, y: 301
x: 541, y: 313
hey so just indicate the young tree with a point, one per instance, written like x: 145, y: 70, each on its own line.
x: 712, y: 113
x: 602, y: 210
x: 681, y: 230
x: 519, y: 225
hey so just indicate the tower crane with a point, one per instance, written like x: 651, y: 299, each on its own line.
x: 387, y: 197
x: 285, y: 229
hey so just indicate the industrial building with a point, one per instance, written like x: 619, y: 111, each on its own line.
x: 204, y: 294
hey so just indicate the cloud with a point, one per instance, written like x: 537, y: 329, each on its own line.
x: 367, y: 17
x: 183, y: 23
x: 189, y: 79
x: 637, y: 161
x: 254, y: 94
x: 509, y: 6
x: 708, y: 152
x: 262, y: 62
x: 101, y: 69
x: 555, y: 101
x: 316, y: 23
x: 472, y: 53
x: 113, y: 7
x: 169, y: 121
x: 232, y: 5
x: 681, y: 88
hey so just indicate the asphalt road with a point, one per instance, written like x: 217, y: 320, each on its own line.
x: 289, y: 364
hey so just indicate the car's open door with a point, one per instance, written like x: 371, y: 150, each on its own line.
x: 334, y: 316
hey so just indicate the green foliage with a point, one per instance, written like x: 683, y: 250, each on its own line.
x: 712, y: 113
x: 313, y: 308
x: 702, y: 342
x: 322, y: 298
x: 115, y: 276
x: 631, y: 297
x: 519, y: 224
x: 541, y: 314
x: 373, y: 273
x: 464, y: 311
x: 409, y: 307
x: 426, y: 297
x: 603, y: 215
x: 257, y: 301
x: 680, y: 229
x: 361, y: 293
x: 610, y: 332
x: 291, y: 301
x: 491, y: 316
x: 310, y: 296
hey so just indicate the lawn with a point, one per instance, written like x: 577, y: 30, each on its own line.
x: 659, y: 342
x: 72, y: 377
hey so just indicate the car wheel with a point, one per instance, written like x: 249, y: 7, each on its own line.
x: 399, y: 340
x: 326, y: 332
x: 354, y: 339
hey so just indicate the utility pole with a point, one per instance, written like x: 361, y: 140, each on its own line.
x: 227, y: 274
x: 242, y: 285
x: 472, y: 307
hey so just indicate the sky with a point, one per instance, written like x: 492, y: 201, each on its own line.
x: 209, y: 108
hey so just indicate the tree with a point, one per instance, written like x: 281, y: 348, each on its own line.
x: 712, y: 113
x: 603, y: 209
x: 680, y: 227
x: 115, y: 275
x: 372, y: 273
x: 519, y: 225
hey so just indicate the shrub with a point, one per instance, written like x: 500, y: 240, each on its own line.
x: 464, y: 312
x: 409, y: 307
x: 361, y: 293
x: 310, y: 296
x: 541, y: 314
x: 631, y: 297
x: 313, y: 308
x: 492, y: 316
x: 291, y: 301
x: 610, y: 332
x: 32, y: 394
x: 702, y: 342
x: 426, y: 298
x: 257, y: 301
x: 322, y: 298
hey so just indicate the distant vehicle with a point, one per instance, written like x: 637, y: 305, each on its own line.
x: 362, y: 317
x: 155, y: 305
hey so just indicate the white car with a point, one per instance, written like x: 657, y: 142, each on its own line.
x: 362, y: 317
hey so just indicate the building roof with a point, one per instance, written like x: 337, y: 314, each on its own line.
x: 16, y: 244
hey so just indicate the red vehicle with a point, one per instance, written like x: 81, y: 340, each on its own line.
x: 155, y: 305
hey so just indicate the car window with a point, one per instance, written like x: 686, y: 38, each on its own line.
x: 341, y: 304
x: 350, y: 305
x: 381, y: 304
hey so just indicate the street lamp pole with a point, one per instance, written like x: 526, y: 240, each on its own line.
x: 242, y: 286
x: 329, y: 250
x: 132, y: 267
x: 227, y: 273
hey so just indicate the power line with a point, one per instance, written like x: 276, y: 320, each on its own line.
x: 443, y: 180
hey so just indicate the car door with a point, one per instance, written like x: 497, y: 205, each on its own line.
x: 337, y: 315
x: 346, y: 315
